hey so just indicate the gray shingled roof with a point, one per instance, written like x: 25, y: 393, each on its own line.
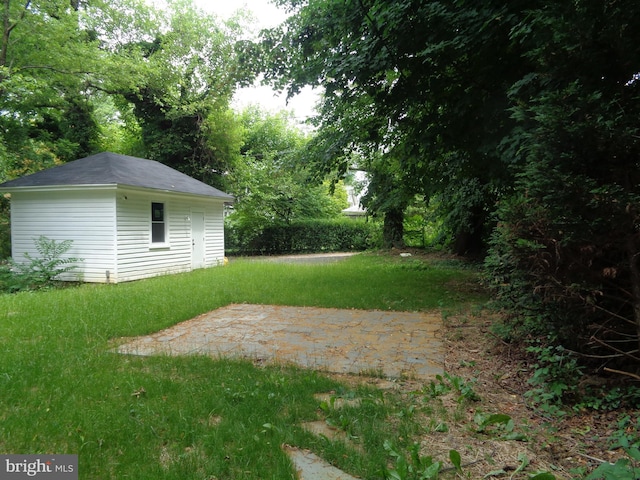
x: 114, y: 169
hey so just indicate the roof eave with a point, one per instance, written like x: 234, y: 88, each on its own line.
x: 57, y: 188
x: 109, y: 186
x: 225, y: 197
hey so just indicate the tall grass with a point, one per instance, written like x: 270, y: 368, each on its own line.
x: 62, y: 390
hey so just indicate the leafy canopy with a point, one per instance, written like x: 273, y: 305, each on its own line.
x: 420, y: 84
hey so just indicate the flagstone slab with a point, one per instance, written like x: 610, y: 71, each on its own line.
x: 311, y: 467
x: 394, y: 344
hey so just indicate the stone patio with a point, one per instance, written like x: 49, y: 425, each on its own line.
x: 392, y: 344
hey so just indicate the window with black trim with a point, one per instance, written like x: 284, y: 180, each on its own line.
x: 157, y: 223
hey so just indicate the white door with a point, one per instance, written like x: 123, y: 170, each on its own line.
x: 197, y: 240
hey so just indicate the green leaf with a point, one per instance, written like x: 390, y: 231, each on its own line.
x: 524, y: 462
x: 483, y: 421
x: 495, y: 473
x: 441, y: 428
x: 633, y: 453
x: 456, y: 460
x: 393, y: 475
x: 431, y: 471
x: 519, y: 437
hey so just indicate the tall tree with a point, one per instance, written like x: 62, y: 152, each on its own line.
x: 273, y: 184
x: 43, y: 109
x: 182, y: 105
x: 53, y: 56
x: 433, y: 77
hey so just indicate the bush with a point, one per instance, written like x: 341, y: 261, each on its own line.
x: 39, y: 272
x: 305, y: 236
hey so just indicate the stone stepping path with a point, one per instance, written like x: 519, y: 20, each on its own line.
x: 309, y: 466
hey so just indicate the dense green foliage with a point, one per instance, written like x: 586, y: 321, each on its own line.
x: 415, y: 92
x: 276, y: 196
x: 272, y: 184
x: 51, y: 96
x: 302, y: 236
x: 567, y: 247
x: 182, y: 107
x: 46, y: 115
x: 113, y: 67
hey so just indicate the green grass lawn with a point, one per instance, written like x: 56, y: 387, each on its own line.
x: 64, y: 391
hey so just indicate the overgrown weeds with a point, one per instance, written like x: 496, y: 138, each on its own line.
x: 41, y: 271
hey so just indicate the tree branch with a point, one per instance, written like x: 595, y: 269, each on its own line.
x: 8, y: 28
x: 620, y: 372
x: 54, y: 69
x: 611, y: 347
x: 598, y: 357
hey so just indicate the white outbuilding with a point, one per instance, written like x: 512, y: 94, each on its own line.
x: 128, y: 218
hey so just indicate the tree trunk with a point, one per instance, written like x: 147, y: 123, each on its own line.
x: 470, y: 241
x: 393, y: 228
x: 6, y: 32
x: 7, y: 28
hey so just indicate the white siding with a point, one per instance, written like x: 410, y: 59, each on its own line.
x: 111, y: 230
x: 84, y: 216
x: 139, y: 258
x: 214, y: 233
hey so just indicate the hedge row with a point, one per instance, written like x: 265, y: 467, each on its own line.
x: 308, y: 236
